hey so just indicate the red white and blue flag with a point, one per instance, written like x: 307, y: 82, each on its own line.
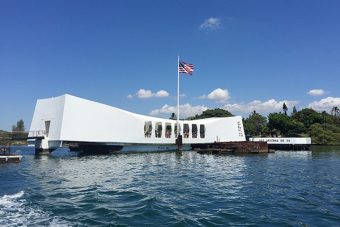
x: 185, y: 68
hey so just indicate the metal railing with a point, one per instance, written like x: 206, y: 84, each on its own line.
x: 38, y: 133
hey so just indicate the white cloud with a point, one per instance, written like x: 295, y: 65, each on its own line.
x: 259, y: 106
x: 144, y: 94
x: 211, y: 23
x: 218, y: 95
x: 236, y: 107
x: 130, y: 96
x: 185, y: 110
x: 162, y: 94
x: 316, y: 92
x: 325, y: 104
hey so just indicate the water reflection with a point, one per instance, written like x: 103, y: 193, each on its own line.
x: 167, y: 176
x: 328, y: 149
x: 291, y: 154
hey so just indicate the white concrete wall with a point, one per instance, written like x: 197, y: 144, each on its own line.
x: 48, y: 110
x: 77, y: 119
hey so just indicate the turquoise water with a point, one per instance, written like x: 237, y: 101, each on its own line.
x: 166, y: 189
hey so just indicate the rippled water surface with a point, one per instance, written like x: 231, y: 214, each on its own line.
x: 167, y: 189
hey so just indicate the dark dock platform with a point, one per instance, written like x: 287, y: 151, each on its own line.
x: 6, y: 156
x: 245, y: 147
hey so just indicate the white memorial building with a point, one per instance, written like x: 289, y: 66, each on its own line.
x: 64, y: 120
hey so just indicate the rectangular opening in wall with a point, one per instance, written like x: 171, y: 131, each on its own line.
x: 168, y: 130
x: 47, y: 127
x: 202, y: 131
x: 194, y: 130
x: 186, y: 130
x: 148, y: 129
x: 158, y: 130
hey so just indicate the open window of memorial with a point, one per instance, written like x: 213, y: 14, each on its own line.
x: 186, y: 130
x: 194, y: 130
x: 175, y: 129
x: 168, y: 130
x: 47, y: 127
x: 158, y: 130
x: 202, y: 131
x: 148, y: 129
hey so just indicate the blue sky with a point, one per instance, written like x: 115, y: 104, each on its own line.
x: 247, y: 54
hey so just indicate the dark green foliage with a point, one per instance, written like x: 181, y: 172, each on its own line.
x: 5, y: 137
x: 13, y: 138
x: 212, y: 113
x: 308, y: 117
x: 284, y: 108
x: 294, y: 111
x: 173, y: 116
x: 322, y: 127
x: 327, y: 118
x: 255, y: 125
x: 281, y: 124
x: 295, y: 128
x: 20, y: 127
x: 324, y: 134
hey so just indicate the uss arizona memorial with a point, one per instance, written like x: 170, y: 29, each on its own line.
x: 84, y: 124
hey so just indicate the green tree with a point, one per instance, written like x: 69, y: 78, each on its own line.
x: 173, y: 116
x: 327, y: 118
x: 19, y: 127
x: 324, y: 134
x: 275, y: 123
x: 294, y: 110
x: 308, y: 117
x: 285, y: 108
x: 284, y: 125
x: 294, y: 128
x: 255, y: 124
x: 212, y: 113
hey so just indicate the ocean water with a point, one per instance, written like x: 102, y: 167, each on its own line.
x: 166, y: 189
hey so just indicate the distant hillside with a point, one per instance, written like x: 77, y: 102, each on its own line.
x: 4, y: 134
x: 6, y: 138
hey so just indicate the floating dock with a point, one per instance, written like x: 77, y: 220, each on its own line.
x: 245, y: 147
x: 10, y: 158
x: 286, y: 143
x: 6, y: 157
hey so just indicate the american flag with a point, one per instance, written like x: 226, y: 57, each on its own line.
x: 185, y: 68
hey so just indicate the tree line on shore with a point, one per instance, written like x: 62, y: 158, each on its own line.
x: 15, y: 136
x: 322, y: 127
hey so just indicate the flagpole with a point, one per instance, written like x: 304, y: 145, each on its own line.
x: 178, y: 98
